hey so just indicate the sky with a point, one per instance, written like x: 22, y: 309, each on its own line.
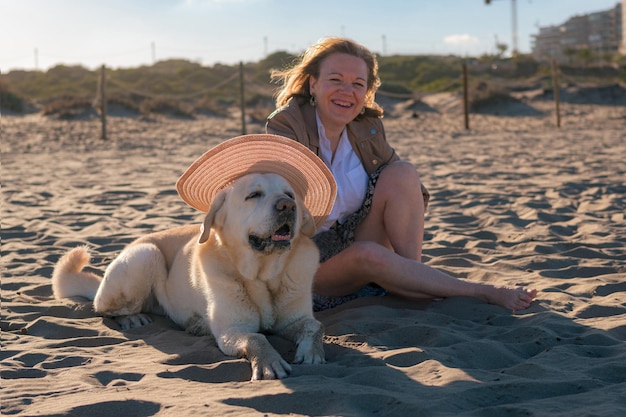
x: 40, y: 34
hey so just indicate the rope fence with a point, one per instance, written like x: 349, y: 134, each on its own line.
x: 101, y: 96
x: 105, y: 83
x: 204, y: 92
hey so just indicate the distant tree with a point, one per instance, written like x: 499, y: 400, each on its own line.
x: 525, y: 65
x: 276, y: 60
x: 608, y: 57
x: 502, y: 47
x: 586, y: 55
x: 570, y: 53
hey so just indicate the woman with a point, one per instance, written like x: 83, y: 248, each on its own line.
x: 371, y: 243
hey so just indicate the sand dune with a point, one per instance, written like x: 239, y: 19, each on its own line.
x: 514, y: 201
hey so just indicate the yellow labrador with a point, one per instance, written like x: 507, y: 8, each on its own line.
x: 248, y: 269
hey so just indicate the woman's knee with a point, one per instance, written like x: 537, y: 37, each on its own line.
x: 399, y: 176
x: 398, y: 182
x: 368, y: 256
x: 403, y: 168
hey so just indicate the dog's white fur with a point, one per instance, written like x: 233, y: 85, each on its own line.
x: 228, y: 277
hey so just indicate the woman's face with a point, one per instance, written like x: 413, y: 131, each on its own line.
x: 339, y: 90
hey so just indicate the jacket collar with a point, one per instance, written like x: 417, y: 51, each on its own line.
x: 310, y: 121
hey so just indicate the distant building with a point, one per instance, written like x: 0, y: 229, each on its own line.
x: 601, y: 33
x: 623, y: 47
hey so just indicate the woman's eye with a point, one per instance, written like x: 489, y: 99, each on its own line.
x: 254, y: 194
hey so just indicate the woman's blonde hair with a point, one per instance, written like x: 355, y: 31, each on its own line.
x: 294, y: 81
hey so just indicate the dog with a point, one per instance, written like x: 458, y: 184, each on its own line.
x: 246, y: 270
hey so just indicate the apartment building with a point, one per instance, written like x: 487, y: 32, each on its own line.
x: 623, y: 47
x: 601, y: 33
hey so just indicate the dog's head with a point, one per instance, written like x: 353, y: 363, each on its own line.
x: 260, y: 212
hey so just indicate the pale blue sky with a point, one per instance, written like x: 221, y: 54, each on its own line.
x: 120, y: 33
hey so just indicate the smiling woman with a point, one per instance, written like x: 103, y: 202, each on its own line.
x: 371, y: 244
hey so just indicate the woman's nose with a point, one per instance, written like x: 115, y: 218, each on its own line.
x: 347, y: 87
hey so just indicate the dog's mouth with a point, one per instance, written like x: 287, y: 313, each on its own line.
x: 280, y: 239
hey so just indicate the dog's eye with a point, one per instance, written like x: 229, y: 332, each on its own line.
x: 289, y: 194
x: 254, y: 194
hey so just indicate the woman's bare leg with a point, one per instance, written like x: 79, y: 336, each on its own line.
x: 388, y: 248
x: 368, y: 262
x: 396, y: 218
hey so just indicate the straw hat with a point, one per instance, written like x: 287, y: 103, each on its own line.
x: 265, y: 153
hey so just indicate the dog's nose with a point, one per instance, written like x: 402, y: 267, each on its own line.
x: 285, y: 204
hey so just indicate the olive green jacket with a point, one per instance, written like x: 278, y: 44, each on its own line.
x: 296, y: 120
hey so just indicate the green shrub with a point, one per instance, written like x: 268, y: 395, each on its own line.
x: 166, y: 106
x: 10, y: 101
x: 486, y: 95
x: 395, y: 88
x: 441, y: 85
x: 67, y: 107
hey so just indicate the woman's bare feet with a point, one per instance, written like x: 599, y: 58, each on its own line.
x: 511, y: 298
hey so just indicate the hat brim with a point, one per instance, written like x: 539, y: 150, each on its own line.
x: 217, y: 168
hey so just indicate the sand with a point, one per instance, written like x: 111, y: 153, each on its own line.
x: 515, y: 200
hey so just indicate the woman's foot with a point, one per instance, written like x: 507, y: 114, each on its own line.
x: 511, y: 298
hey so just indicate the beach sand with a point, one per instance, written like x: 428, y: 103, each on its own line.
x: 515, y: 200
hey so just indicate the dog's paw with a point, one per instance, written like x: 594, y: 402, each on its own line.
x: 274, y: 367
x: 133, y: 321
x: 309, y: 352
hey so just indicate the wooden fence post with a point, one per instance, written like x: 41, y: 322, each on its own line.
x: 243, y: 104
x: 465, y: 97
x: 556, y: 88
x: 103, y: 103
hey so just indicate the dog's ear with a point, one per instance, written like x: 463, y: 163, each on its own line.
x: 209, y: 219
x: 308, y: 225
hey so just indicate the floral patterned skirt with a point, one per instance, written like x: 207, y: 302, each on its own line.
x: 338, y: 238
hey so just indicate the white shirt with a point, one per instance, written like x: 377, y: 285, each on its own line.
x: 349, y: 173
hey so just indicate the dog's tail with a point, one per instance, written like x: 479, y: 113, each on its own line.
x: 69, y: 279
